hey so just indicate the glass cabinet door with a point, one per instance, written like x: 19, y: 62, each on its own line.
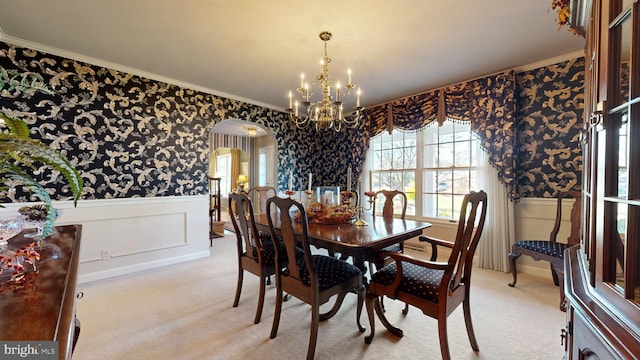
x: 621, y: 201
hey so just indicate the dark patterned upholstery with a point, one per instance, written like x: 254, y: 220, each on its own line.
x: 416, y: 280
x: 331, y: 271
x: 555, y: 249
x: 269, y: 251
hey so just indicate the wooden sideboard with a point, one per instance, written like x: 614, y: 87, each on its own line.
x: 43, y: 309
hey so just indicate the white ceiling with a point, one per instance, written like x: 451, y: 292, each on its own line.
x: 255, y: 50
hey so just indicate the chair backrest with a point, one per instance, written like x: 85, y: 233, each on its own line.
x: 574, y: 236
x: 263, y: 193
x: 387, y: 208
x: 281, y: 213
x: 241, y: 214
x: 472, y: 217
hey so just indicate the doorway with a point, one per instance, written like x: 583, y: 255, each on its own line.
x: 241, y: 152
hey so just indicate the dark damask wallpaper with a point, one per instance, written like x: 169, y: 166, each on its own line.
x: 135, y: 137
x: 550, y: 106
x: 130, y: 136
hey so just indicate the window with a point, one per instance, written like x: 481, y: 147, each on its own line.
x: 450, y: 158
x: 265, y: 166
x: 224, y: 169
x: 435, y: 167
x: 394, y: 166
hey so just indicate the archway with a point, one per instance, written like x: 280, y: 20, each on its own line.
x: 235, y: 151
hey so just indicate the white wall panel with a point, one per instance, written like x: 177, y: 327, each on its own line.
x: 136, y: 234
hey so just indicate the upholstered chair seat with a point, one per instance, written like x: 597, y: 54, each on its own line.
x: 330, y: 271
x: 416, y: 280
x: 550, y: 248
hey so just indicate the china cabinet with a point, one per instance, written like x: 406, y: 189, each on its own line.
x: 602, y: 275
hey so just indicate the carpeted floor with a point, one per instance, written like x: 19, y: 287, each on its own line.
x: 184, y: 312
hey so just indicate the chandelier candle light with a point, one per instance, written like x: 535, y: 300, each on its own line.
x: 328, y: 112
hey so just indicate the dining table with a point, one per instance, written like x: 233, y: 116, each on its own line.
x: 356, y: 241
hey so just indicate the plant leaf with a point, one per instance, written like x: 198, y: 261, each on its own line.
x: 15, y: 173
x: 26, y: 151
x: 16, y: 127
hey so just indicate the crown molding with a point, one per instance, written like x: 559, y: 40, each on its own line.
x: 110, y: 65
x: 551, y: 61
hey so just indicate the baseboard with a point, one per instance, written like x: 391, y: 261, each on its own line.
x: 129, y: 269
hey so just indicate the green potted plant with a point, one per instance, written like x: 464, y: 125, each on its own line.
x: 20, y: 154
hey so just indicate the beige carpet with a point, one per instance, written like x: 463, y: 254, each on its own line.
x: 184, y: 312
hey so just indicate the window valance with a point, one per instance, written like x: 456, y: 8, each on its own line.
x: 488, y: 103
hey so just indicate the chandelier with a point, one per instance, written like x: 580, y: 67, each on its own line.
x: 251, y: 131
x: 328, y: 112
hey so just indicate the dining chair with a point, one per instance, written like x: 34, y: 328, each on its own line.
x: 388, y: 210
x: 436, y: 288
x: 551, y: 250
x: 256, y: 252
x: 312, y: 278
x: 379, y: 258
x: 263, y: 193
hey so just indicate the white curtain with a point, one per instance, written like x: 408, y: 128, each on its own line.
x: 499, y: 229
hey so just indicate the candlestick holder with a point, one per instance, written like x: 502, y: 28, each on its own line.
x: 359, y: 221
x: 308, y: 195
x: 290, y: 193
x: 371, y: 199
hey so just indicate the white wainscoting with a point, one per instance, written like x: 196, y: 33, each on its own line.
x: 122, y: 236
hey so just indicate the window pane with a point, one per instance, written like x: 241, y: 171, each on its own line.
x: 410, y: 140
x: 475, y: 148
x: 619, y: 244
x: 430, y: 156
x: 398, y: 158
x: 445, y: 155
x: 445, y: 206
x: 462, y: 153
x: 445, y: 181
x: 623, y: 147
x: 430, y: 134
x: 409, y: 188
x: 463, y: 131
x: 461, y: 182
x: 385, y: 159
x: 429, y: 181
x: 429, y: 203
x: 623, y: 32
